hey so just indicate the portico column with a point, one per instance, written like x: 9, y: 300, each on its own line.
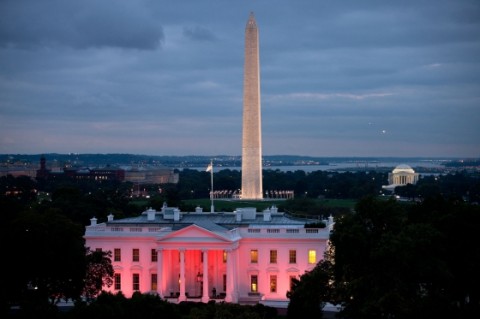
x: 229, y: 292
x: 182, y: 296
x: 205, y: 297
x: 160, y: 283
x: 234, y: 276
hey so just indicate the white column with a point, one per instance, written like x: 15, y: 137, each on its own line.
x: 205, y: 297
x: 229, y: 292
x: 234, y: 276
x: 182, y: 296
x: 167, y: 267
x: 160, y: 282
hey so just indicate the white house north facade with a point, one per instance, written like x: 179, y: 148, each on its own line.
x: 236, y: 257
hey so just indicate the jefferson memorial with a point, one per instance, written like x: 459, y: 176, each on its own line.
x: 401, y: 176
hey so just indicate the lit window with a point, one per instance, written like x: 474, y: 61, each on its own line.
x: 254, y: 256
x: 312, y: 256
x: 136, y: 254
x: 154, y: 282
x: 117, y: 254
x: 254, y: 283
x: 117, y: 279
x: 224, y: 256
x: 154, y: 255
x: 136, y: 282
x: 292, y: 256
x: 273, y: 256
x: 273, y: 283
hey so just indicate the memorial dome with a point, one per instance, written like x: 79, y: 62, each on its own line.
x: 403, y: 168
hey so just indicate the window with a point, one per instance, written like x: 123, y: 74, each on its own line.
x: 98, y: 250
x: 312, y: 256
x: 153, y: 285
x: 273, y: 283
x: 117, y: 254
x: 254, y: 283
x: 154, y: 255
x: 136, y: 282
x: 117, y: 282
x: 273, y: 256
x: 136, y: 254
x: 224, y: 256
x: 254, y: 256
x: 292, y: 256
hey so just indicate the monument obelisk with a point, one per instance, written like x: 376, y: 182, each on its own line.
x: 252, y: 125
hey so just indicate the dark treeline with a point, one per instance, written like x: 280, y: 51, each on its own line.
x: 152, y: 306
x: 195, y: 184
x: 341, y: 185
x: 389, y: 259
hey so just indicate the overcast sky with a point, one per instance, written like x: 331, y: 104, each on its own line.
x: 338, y: 78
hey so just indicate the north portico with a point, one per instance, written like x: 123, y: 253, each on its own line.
x: 201, y: 266
x: 240, y: 257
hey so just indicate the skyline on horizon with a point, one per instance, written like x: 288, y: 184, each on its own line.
x: 369, y: 79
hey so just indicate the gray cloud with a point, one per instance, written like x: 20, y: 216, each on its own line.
x: 78, y: 24
x: 199, y: 34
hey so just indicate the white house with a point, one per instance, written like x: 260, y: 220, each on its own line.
x: 239, y: 257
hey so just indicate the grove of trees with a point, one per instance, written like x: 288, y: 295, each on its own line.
x: 395, y: 260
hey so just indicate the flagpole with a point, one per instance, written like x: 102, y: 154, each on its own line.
x: 212, y: 208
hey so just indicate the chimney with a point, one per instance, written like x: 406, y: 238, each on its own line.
x: 330, y: 220
x: 238, y: 215
x: 110, y: 217
x: 198, y: 209
x: 267, y: 215
x: 93, y: 221
x: 176, y: 214
x: 151, y: 214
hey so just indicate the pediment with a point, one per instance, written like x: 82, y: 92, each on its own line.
x: 195, y: 233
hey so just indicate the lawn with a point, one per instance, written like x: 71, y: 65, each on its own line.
x: 231, y: 205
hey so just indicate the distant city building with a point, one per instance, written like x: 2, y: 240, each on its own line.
x: 151, y: 176
x: 135, y: 175
x: 401, y: 176
x: 97, y: 174
x: 238, y: 257
x: 17, y: 171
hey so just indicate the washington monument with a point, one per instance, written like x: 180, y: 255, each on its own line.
x: 252, y: 120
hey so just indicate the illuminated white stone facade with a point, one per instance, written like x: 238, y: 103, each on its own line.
x: 252, y: 127
x: 239, y: 257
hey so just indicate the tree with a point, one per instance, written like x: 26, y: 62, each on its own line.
x: 404, y: 261
x: 47, y: 260
x: 99, y: 272
x: 309, y: 294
